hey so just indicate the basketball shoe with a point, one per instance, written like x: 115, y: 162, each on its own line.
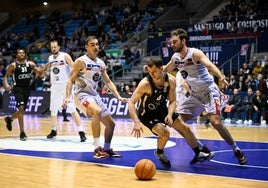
x: 99, y: 153
x: 242, y: 159
x: 52, y: 134
x: 82, y: 135
x: 8, y: 123
x: 23, y: 136
x: 203, y: 155
x: 163, y: 159
x: 113, y: 153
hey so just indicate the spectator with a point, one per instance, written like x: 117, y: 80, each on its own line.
x: 232, y: 83
x: 247, y: 107
x: 265, y: 70
x: 262, y: 86
x: 136, y: 56
x: 260, y: 105
x: 251, y: 83
x: 257, y: 69
x: 121, y: 88
x: 234, y: 103
x: 133, y: 86
x: 241, y: 85
x: 127, y: 90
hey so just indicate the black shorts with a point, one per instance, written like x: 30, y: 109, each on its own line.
x: 21, y: 95
x: 151, y: 119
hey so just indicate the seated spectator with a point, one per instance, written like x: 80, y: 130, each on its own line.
x: 257, y: 69
x: 265, y: 70
x: 121, y: 88
x: 133, y: 86
x: 260, y: 105
x: 246, y: 70
x: 233, y: 103
x: 251, y: 83
x: 247, y: 107
x: 127, y: 90
x: 241, y: 85
x: 262, y: 85
x: 232, y: 83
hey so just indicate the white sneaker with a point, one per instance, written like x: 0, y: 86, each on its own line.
x: 246, y: 122
x: 250, y: 122
x: 263, y: 123
x: 239, y: 121
x: 228, y: 120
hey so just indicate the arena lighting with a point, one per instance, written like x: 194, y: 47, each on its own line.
x: 45, y: 3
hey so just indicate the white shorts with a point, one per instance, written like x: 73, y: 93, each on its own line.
x: 82, y: 100
x: 208, y: 100
x: 57, y: 96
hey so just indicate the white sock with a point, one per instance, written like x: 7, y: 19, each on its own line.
x: 80, y: 128
x: 96, y: 142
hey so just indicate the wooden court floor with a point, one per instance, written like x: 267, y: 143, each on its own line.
x: 26, y: 171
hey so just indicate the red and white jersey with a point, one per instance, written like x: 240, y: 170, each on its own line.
x: 88, y: 79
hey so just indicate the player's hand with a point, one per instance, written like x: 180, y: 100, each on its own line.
x: 137, y: 130
x: 7, y: 87
x: 168, y: 121
x: 65, y: 102
x: 225, y: 82
x: 124, y: 100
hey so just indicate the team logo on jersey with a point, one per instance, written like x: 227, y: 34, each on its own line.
x: 96, y: 77
x: 184, y: 74
x: 56, y: 70
x: 188, y: 62
x: 179, y: 64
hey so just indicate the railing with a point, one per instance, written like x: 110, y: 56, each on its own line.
x: 235, y: 58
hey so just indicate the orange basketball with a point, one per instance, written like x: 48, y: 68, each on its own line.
x: 145, y: 169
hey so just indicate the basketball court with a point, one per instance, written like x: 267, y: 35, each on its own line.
x: 72, y: 156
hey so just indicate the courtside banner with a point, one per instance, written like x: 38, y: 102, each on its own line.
x: 39, y: 104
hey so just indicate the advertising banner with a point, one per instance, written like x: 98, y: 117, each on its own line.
x: 39, y: 104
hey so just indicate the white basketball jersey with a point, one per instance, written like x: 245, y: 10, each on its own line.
x: 59, y: 70
x: 196, y: 75
x: 88, y: 79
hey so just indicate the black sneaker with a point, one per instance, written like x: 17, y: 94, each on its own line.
x: 204, y: 154
x: 8, y: 123
x: 113, y: 153
x: 82, y: 136
x: 163, y: 159
x: 52, y: 134
x: 242, y: 159
x: 65, y: 119
x: 23, y: 136
x: 201, y: 157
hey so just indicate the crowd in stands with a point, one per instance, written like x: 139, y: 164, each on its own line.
x: 239, y: 10
x: 248, y: 91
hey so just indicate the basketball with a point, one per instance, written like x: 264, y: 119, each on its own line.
x: 145, y: 169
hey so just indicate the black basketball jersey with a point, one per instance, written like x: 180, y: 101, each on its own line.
x: 23, y: 74
x: 157, y: 101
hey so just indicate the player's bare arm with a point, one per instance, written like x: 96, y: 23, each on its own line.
x: 143, y: 88
x: 77, y: 68
x: 69, y: 60
x: 10, y: 71
x: 170, y: 66
x: 199, y: 56
x: 172, y: 100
